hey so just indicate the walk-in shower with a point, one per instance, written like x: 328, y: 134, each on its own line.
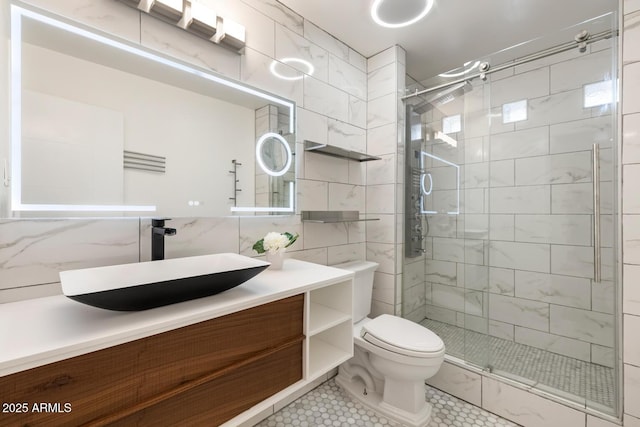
x: 510, y: 231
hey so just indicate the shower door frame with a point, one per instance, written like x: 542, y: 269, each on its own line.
x: 616, y: 214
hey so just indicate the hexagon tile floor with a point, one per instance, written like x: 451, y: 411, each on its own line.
x: 328, y: 405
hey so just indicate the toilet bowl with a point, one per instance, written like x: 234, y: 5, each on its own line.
x: 392, y: 357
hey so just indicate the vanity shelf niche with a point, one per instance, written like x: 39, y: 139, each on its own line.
x: 329, y: 329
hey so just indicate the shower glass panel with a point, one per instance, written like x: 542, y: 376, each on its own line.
x: 510, y: 171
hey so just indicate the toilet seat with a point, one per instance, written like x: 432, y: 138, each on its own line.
x: 402, y: 336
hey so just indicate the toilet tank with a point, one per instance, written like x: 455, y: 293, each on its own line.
x: 362, y: 286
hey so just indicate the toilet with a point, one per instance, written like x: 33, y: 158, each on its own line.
x: 392, y: 357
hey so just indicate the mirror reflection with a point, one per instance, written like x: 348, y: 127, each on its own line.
x: 109, y: 128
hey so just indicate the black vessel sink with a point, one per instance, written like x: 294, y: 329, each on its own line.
x: 145, y: 285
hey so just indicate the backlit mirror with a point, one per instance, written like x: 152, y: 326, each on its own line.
x: 108, y: 127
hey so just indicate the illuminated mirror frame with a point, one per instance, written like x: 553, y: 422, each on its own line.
x: 423, y: 191
x: 260, y: 160
x: 17, y: 14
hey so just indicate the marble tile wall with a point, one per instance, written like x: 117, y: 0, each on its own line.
x: 385, y: 81
x: 630, y: 93
x: 331, y: 107
x: 522, y: 245
x: 33, y: 251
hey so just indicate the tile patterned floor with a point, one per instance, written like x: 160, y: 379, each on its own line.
x: 328, y: 405
x: 575, y: 379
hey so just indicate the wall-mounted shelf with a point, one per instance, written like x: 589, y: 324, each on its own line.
x: 329, y: 150
x: 325, y: 217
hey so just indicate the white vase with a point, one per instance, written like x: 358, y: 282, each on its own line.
x: 276, y: 259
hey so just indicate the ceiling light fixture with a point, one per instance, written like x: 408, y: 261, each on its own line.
x: 466, y: 68
x: 386, y: 16
x: 305, y: 64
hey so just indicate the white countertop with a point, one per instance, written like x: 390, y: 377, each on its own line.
x: 45, y: 330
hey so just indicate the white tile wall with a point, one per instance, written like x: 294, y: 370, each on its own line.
x: 352, y: 109
x: 582, y: 324
x: 255, y: 71
x: 631, y: 390
x: 554, y: 169
x: 532, y: 84
x: 521, y: 312
x: 556, y: 344
x: 580, y: 135
x: 32, y: 252
x: 521, y: 256
x: 524, y: 143
x: 279, y: 13
x: 557, y: 108
x: 326, y: 99
x: 194, y: 236
x: 631, y: 353
x: 630, y: 88
x: 289, y: 44
x: 108, y: 16
x: 175, y: 42
x: 631, y: 290
x: 326, y: 40
x: 443, y: 272
x: 381, y: 111
x: 555, y: 289
x: 344, y: 253
x: 526, y: 408
x: 575, y: 73
x: 520, y: 200
x: 562, y: 229
x: 459, y: 382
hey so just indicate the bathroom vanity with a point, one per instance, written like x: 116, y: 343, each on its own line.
x: 223, y: 359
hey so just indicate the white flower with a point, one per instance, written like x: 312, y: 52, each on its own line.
x: 273, y: 242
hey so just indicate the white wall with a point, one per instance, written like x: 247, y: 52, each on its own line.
x: 631, y: 209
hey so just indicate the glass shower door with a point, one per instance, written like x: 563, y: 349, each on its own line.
x: 444, y: 238
x: 551, y: 219
x: 512, y: 207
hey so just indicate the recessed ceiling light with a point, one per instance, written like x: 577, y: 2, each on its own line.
x: 304, y: 66
x: 467, y: 67
x: 399, y: 13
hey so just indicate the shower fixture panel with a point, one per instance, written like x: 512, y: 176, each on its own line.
x: 432, y: 183
x: 442, y: 97
x: 413, y: 230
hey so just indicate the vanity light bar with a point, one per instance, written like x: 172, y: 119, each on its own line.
x: 195, y: 17
x: 200, y: 19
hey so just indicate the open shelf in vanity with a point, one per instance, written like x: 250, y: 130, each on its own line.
x: 329, y: 328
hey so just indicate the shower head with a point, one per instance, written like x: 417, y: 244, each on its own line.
x: 440, y: 98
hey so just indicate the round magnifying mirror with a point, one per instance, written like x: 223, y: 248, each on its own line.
x: 273, y: 154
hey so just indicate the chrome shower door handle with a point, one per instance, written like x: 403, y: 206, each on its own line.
x: 597, y: 274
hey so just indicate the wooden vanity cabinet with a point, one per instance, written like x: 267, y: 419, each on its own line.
x: 201, y: 374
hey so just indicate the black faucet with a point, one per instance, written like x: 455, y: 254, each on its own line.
x: 158, y: 231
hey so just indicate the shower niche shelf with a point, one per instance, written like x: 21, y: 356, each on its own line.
x: 330, y: 150
x: 327, y: 217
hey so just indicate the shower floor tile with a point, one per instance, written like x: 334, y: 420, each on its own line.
x: 328, y: 405
x: 574, y: 379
